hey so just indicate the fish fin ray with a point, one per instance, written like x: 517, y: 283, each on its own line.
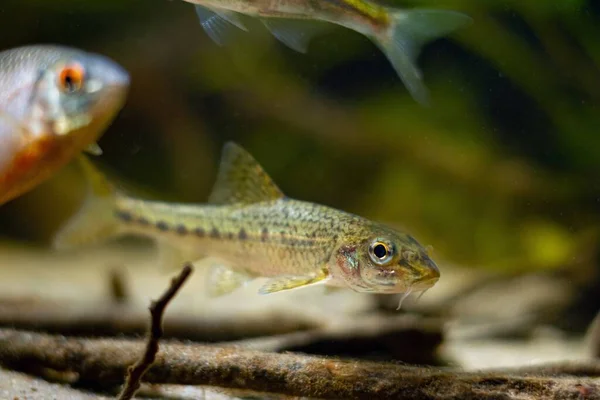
x: 408, y: 32
x: 93, y: 149
x: 95, y: 220
x: 218, y: 25
x: 222, y: 280
x: 241, y: 179
x: 295, y: 34
x: 232, y: 17
x: 287, y: 282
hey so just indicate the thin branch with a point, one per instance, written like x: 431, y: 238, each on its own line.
x: 157, y: 309
x: 105, y: 361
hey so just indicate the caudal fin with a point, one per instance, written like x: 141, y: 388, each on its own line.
x: 95, y: 220
x: 408, y: 32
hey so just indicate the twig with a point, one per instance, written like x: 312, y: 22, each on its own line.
x: 157, y: 309
x: 105, y: 361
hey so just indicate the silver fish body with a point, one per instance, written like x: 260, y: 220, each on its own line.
x: 400, y: 34
x: 54, y: 102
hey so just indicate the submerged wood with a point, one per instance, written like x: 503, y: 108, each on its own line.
x: 380, y: 336
x: 136, y: 372
x: 88, y: 318
x: 106, y: 360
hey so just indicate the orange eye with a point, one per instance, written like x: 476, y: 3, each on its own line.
x: 71, y: 78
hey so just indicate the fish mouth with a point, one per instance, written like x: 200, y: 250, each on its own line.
x: 110, y: 73
x: 422, y: 276
x: 110, y: 100
x: 430, y: 273
x: 113, y: 89
x: 119, y: 77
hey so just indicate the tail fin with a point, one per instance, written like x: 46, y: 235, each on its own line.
x: 95, y: 220
x: 408, y: 32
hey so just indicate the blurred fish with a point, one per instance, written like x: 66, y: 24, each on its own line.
x: 54, y: 103
x: 400, y: 34
x: 256, y: 231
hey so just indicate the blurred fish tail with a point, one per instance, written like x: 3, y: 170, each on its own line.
x: 408, y: 31
x: 96, y: 219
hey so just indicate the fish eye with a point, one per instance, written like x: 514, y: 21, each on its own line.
x: 380, y: 252
x: 71, y: 78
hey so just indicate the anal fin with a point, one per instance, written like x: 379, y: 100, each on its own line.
x: 287, y: 282
x: 231, y: 17
x: 296, y: 34
x: 218, y: 24
x: 222, y: 280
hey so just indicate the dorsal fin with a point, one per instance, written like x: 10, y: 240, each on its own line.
x: 241, y: 179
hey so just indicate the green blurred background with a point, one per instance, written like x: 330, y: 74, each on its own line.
x: 502, y: 172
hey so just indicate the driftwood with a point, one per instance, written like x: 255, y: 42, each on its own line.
x: 157, y: 309
x: 376, y: 336
x: 381, y: 337
x: 16, y: 385
x: 106, y: 360
x: 95, y: 319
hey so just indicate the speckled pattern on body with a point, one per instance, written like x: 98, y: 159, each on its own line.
x: 254, y: 230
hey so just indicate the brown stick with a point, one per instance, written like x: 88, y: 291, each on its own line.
x: 157, y: 309
x: 105, y: 361
x: 408, y: 338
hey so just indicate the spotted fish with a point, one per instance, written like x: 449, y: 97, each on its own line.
x: 254, y: 230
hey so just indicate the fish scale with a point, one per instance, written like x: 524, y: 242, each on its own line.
x: 250, y: 229
x: 270, y: 238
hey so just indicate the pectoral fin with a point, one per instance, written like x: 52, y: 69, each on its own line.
x: 288, y: 282
x: 95, y: 220
x: 222, y: 280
